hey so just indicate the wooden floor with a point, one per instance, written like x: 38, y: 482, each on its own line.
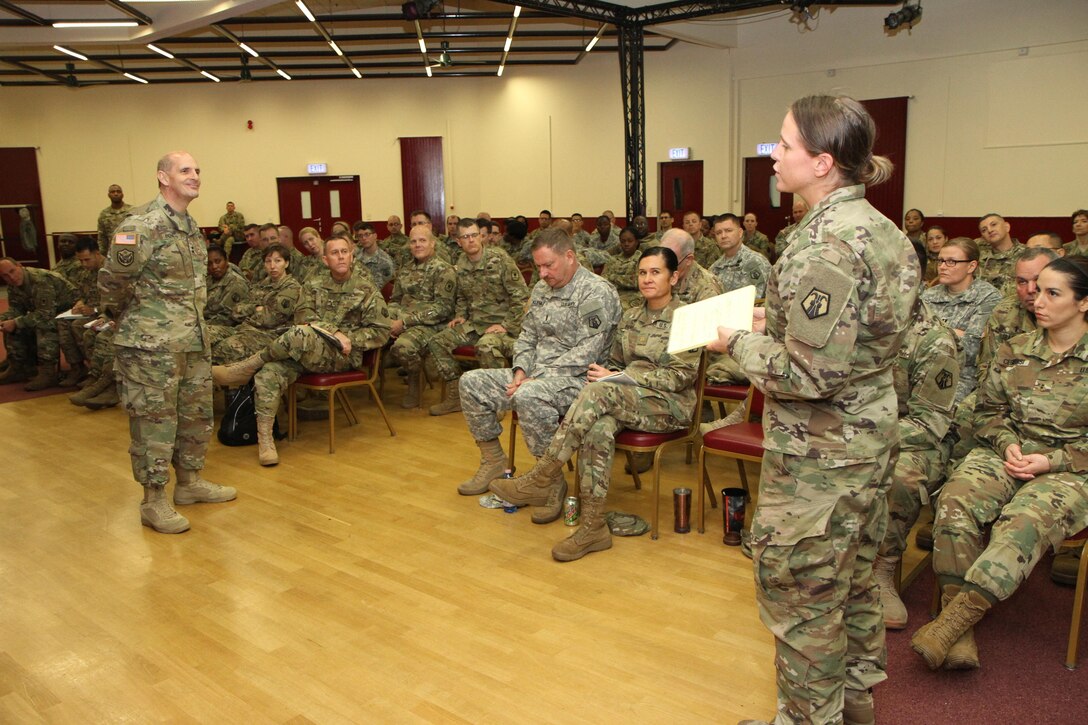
x: 354, y: 587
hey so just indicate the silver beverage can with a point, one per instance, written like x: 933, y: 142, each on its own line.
x: 572, y: 510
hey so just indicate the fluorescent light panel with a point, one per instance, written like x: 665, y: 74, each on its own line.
x: 592, y: 43
x: 501, y: 68
x: 517, y: 11
x: 356, y: 72
x: 283, y: 74
x: 335, y: 47
x: 429, y: 74
x: 422, y: 46
x: 131, y: 77
x: 98, y: 24
x: 305, y: 11
x: 70, y: 52
x: 209, y: 76
x: 160, y: 51
x: 249, y: 50
x: 506, y: 48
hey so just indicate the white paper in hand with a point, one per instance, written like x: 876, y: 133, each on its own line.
x: 696, y: 325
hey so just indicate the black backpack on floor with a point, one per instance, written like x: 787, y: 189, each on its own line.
x: 239, y: 424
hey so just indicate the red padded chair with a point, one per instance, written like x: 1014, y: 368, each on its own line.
x: 335, y: 385
x: 740, y: 441
x: 634, y: 441
x: 724, y: 394
x: 514, y: 441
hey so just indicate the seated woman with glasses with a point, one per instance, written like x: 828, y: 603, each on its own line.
x: 963, y: 303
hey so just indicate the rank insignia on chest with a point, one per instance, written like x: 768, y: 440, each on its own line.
x: 816, y: 304
x: 125, y: 257
x: 944, y: 380
x: 126, y: 238
x: 594, y: 321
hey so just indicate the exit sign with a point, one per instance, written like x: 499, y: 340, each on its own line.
x: 765, y: 149
x: 680, y: 154
x: 317, y: 168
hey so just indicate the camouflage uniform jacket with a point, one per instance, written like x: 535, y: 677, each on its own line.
x: 224, y: 294
x: 580, y: 238
x: 353, y: 307
x: 309, y: 266
x: 932, y: 270
x: 639, y: 349
x: 613, y: 238
x: 235, y: 221
x: 379, y: 265
x: 967, y: 311
x: 1038, y: 400
x: 622, y: 272
x: 277, y: 301
x: 423, y: 293
x: 1074, y: 248
x: 567, y: 329
x: 252, y: 263
x: 108, y: 219
x: 154, y: 281
x: 393, y: 244
x: 839, y: 302
x: 757, y: 241
x: 490, y: 292
x: 745, y: 268
x: 70, y: 269
x: 1007, y: 320
x: 782, y: 239
x: 926, y: 373
x: 86, y: 285
x: 706, y: 252
x: 41, y: 297
x: 999, y: 268
x: 697, y: 285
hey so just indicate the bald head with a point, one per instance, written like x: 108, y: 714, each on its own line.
x: 679, y: 241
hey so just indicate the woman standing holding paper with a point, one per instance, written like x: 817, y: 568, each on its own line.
x: 655, y: 394
x: 838, y: 304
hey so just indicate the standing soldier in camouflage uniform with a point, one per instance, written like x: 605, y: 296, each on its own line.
x: 252, y: 260
x: 754, y: 239
x: 111, y: 216
x: 839, y: 302
x: 622, y: 270
x: 73, y: 341
x: 568, y: 327
x: 706, y: 251
x: 396, y: 244
x: 1029, y: 478
x: 926, y: 372
x: 421, y: 305
x: 344, y: 303
x: 232, y: 225
x: 488, y: 308
x: 269, y: 308
x: 998, y: 253
x: 153, y: 287
x: 313, y: 262
x: 227, y: 289
x: 660, y: 400
x: 35, y: 298
x: 963, y: 302
x: 370, y: 256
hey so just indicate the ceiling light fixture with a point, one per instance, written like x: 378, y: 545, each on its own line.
x: 506, y: 47
x: 283, y: 74
x: 249, y: 50
x: 70, y: 52
x: 517, y: 11
x: 305, y: 11
x: 335, y: 47
x: 501, y: 67
x: 97, y: 24
x: 209, y: 76
x: 422, y: 46
x: 907, y: 15
x: 596, y: 37
x: 356, y: 72
x: 160, y: 51
x: 138, y: 79
x: 429, y: 74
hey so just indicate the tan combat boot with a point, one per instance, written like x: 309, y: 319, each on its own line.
x: 553, y: 507
x: 592, y: 535
x: 75, y: 373
x: 157, y: 513
x: 106, y: 399
x: 857, y: 707
x: 452, y: 402
x: 492, y: 466
x: 239, y: 373
x: 191, y: 488
x: 96, y: 388
x: 737, y: 416
x: 533, y: 488
x: 411, y: 398
x: 895, y: 613
x: 963, y: 655
x: 924, y: 538
x: 266, y: 442
x: 932, y: 641
x: 46, y: 378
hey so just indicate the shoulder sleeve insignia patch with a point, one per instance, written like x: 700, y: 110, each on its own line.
x: 944, y: 379
x: 125, y: 257
x: 816, y: 304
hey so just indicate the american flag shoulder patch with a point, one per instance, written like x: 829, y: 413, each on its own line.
x: 126, y: 238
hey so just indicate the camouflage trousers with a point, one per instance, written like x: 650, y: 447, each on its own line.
x: 218, y: 333
x: 814, y: 537
x: 540, y: 404
x: 101, y: 346
x: 724, y: 370
x: 599, y: 412
x: 246, y: 341
x: 1027, y: 517
x: 489, y: 350
x: 297, y: 351
x: 410, y: 346
x: 168, y: 398
x: 30, y: 346
x: 74, y: 340
x: 917, y: 474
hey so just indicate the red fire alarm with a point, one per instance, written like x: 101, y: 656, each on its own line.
x: 249, y: 125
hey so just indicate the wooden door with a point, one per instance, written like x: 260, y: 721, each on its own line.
x: 680, y: 188
x: 423, y: 184
x: 762, y: 198
x: 20, y: 189
x: 318, y: 202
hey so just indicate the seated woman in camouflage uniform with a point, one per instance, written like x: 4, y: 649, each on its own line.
x: 270, y: 309
x: 621, y: 269
x: 1029, y: 476
x: 658, y: 397
x: 963, y: 302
